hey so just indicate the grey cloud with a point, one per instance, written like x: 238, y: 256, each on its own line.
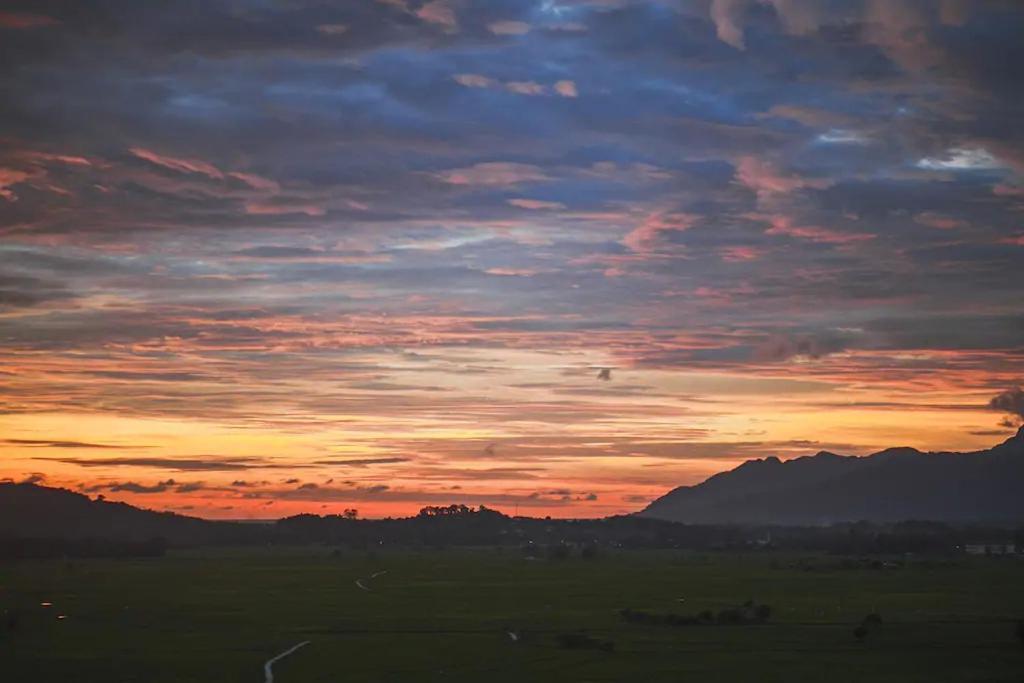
x: 211, y: 464
x: 1009, y: 401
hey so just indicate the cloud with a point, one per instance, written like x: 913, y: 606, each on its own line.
x: 25, y: 20
x: 566, y: 89
x: 939, y: 221
x: 178, y: 164
x: 961, y: 159
x: 10, y: 177
x: 145, y: 489
x: 333, y: 29
x: 439, y: 12
x: 535, y: 204
x: 766, y: 179
x: 785, y: 347
x: 283, y: 208
x: 474, y: 81
x: 655, y: 226
x: 727, y: 16
x: 48, y: 443
x: 1009, y: 401
x: 508, y: 28
x: 526, y: 88
x: 363, y: 462
x: 135, y: 487
x: 784, y: 226
x: 494, y: 173
x: 186, y: 464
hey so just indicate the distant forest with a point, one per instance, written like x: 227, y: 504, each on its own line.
x: 37, y: 522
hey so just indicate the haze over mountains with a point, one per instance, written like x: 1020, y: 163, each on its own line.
x: 889, y: 486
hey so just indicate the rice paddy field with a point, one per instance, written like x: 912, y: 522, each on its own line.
x: 494, y: 615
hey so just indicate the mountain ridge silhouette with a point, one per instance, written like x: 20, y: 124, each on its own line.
x: 894, y: 484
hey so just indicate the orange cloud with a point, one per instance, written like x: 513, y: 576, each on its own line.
x: 25, y: 20
x: 566, y: 89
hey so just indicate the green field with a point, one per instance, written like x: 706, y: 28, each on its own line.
x: 443, y: 616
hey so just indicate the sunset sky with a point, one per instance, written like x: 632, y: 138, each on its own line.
x: 260, y: 257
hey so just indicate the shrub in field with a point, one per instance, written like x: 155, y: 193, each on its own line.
x: 559, y: 551
x: 749, y: 613
x: 581, y: 641
x: 730, y: 615
x: 870, y: 623
x: 12, y: 619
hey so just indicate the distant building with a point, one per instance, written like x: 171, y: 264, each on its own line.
x: 990, y: 549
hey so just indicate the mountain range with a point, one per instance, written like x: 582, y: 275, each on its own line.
x: 892, y: 485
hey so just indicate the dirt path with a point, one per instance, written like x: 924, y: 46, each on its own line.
x: 268, y: 671
x: 360, y: 583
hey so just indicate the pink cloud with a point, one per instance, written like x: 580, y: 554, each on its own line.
x: 647, y: 235
x: 438, y: 12
x: 766, y: 179
x: 474, y: 80
x: 728, y: 15
x: 535, y: 204
x: 509, y: 28
x: 178, y: 164
x: 566, y: 89
x: 59, y: 158
x: 10, y: 177
x: 511, y: 272
x: 939, y: 221
x: 734, y: 254
x: 1004, y: 190
x: 526, y: 88
x: 783, y: 225
x: 256, y: 182
x: 493, y: 173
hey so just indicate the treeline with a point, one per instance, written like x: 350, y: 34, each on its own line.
x: 41, y: 521
x: 459, y: 525
x: 50, y: 548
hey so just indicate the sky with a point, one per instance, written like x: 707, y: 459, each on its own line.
x: 556, y: 257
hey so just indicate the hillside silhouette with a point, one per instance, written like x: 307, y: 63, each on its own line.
x: 889, y: 486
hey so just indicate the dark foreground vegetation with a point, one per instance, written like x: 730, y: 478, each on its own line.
x: 99, y: 591
x: 496, y: 614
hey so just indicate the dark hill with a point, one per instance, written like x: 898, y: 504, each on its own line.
x: 888, y: 486
x: 30, y: 511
